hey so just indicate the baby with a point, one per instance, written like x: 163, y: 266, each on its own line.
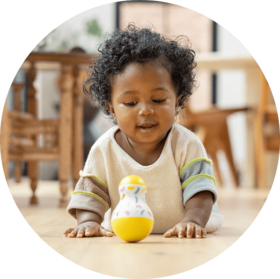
x: 142, y: 80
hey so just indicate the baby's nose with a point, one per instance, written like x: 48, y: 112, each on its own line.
x: 146, y: 109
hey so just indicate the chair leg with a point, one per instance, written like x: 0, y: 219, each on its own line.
x: 33, y: 175
x: 212, y: 145
x: 32, y: 108
x: 18, y: 171
x: 5, y: 137
x: 227, y: 149
x: 259, y: 152
x: 216, y: 167
x: 63, y: 187
x: 65, y: 84
x: 77, y: 147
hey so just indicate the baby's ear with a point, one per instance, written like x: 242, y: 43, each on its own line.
x: 111, y: 109
x: 108, y: 105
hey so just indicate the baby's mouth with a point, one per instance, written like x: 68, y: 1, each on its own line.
x: 147, y: 127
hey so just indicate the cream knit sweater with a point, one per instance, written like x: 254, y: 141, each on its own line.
x: 108, y: 162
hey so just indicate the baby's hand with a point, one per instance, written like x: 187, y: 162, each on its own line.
x: 189, y: 230
x: 87, y: 229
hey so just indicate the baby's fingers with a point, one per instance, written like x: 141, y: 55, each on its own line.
x: 182, y: 232
x: 98, y: 232
x: 68, y: 231
x: 190, y: 230
x: 196, y: 231
x: 92, y: 231
x: 104, y: 232
x: 203, y: 233
x: 169, y: 233
x: 81, y: 232
x: 200, y: 232
x: 73, y: 233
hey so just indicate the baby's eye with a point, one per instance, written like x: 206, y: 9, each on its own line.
x: 130, y: 104
x: 159, y: 101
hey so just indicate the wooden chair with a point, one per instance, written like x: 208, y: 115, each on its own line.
x: 20, y: 132
x: 17, y: 104
x: 19, y: 140
x: 10, y: 140
x: 265, y: 116
x: 211, y: 127
x: 62, y: 137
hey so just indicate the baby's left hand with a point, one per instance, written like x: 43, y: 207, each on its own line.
x: 189, y: 230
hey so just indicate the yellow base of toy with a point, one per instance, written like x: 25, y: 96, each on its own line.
x: 132, y: 229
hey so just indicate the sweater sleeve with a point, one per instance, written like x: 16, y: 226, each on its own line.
x: 91, y: 192
x: 196, y: 171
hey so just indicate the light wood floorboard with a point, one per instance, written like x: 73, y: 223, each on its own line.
x: 153, y: 257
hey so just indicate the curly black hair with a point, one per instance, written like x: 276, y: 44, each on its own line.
x: 141, y: 45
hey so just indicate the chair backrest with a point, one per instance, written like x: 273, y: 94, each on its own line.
x: 17, y: 88
x: 267, y: 103
x: 267, y: 109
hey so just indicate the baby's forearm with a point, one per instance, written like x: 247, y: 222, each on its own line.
x: 198, y: 208
x: 86, y: 216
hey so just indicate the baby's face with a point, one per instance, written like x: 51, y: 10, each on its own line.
x: 143, y: 101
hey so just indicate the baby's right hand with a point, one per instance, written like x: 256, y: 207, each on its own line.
x: 89, y: 228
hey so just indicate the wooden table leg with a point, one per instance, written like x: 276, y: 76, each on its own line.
x: 253, y: 89
x: 216, y: 166
x: 228, y: 152
x: 65, y: 84
x: 259, y: 150
x: 77, y: 152
x: 5, y: 138
x: 212, y: 145
x: 217, y: 138
x: 17, y: 88
x: 32, y: 168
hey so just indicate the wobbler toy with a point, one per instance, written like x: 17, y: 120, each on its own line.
x: 132, y: 220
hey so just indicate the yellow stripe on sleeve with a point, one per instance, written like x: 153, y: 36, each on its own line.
x: 194, y: 161
x: 92, y: 195
x: 94, y: 176
x: 197, y: 176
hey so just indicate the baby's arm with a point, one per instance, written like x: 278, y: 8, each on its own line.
x: 197, y: 212
x: 88, y: 225
x: 88, y: 204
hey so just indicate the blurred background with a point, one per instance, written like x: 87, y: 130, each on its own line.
x: 228, y: 111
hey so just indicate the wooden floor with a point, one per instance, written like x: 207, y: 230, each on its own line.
x: 153, y: 257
